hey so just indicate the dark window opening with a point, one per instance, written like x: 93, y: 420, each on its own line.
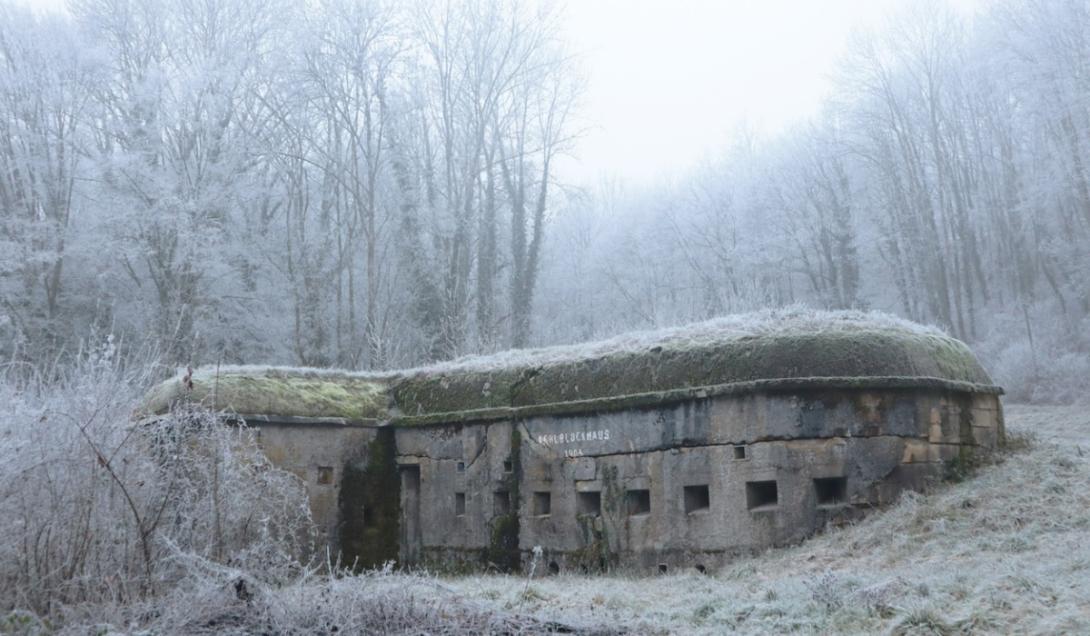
x: 410, y: 478
x: 831, y: 490
x: 761, y: 494
x: 325, y: 475
x: 700, y: 569
x: 459, y: 504
x: 554, y: 568
x: 461, y: 467
x: 697, y: 498
x: 663, y: 568
x: 507, y: 466
x: 543, y: 503
x: 588, y: 503
x: 501, y: 502
x: 638, y: 502
x: 739, y: 452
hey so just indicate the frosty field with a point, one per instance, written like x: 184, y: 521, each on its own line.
x: 1007, y: 550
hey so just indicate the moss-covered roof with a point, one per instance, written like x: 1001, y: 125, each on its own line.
x: 310, y: 394
x: 773, y: 351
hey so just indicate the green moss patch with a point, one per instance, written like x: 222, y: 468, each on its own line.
x: 855, y: 356
x: 626, y: 372
x: 288, y: 393
x: 370, y: 506
x: 503, y: 547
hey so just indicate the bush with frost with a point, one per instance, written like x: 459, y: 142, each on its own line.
x: 97, y: 508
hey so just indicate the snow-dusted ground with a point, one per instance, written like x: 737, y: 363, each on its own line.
x: 1006, y: 551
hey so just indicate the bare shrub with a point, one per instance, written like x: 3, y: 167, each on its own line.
x: 95, y: 508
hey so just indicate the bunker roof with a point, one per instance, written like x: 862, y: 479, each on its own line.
x: 773, y: 350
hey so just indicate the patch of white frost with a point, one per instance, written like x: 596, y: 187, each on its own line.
x: 786, y: 321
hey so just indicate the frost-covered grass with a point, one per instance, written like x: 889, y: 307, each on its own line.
x: 1007, y: 551
x: 786, y: 321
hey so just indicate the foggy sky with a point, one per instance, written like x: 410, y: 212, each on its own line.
x: 669, y: 82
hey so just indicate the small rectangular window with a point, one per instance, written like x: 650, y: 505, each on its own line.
x: 588, y: 503
x: 697, y: 498
x: 761, y: 495
x: 459, y: 504
x: 831, y: 491
x: 501, y: 502
x: 739, y: 452
x: 325, y: 475
x: 543, y: 503
x: 461, y: 467
x: 508, y: 466
x: 638, y: 502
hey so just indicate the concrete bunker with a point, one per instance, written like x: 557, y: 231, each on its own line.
x: 649, y: 453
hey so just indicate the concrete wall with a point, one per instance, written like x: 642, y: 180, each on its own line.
x: 317, y: 454
x: 687, y: 485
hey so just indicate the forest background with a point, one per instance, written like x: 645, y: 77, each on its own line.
x: 374, y: 185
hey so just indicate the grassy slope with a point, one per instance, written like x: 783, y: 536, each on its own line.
x: 1007, y: 551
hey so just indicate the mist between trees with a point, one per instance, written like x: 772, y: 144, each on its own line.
x: 372, y: 185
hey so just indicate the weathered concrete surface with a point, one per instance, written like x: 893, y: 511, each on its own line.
x: 682, y: 451
x: 317, y: 455
x: 464, y: 490
x: 867, y: 446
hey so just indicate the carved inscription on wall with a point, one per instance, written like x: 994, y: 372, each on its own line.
x: 571, y: 442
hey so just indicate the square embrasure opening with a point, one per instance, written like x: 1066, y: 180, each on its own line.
x: 325, y: 475
x: 831, y: 491
x: 697, y: 498
x: 740, y: 452
x: 761, y: 495
x: 588, y: 503
x: 459, y: 504
x: 501, y: 502
x: 638, y: 502
x: 542, y: 503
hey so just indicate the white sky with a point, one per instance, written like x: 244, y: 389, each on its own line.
x: 669, y: 81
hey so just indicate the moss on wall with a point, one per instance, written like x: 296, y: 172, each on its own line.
x: 595, y: 555
x: 503, y: 547
x: 370, y: 505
